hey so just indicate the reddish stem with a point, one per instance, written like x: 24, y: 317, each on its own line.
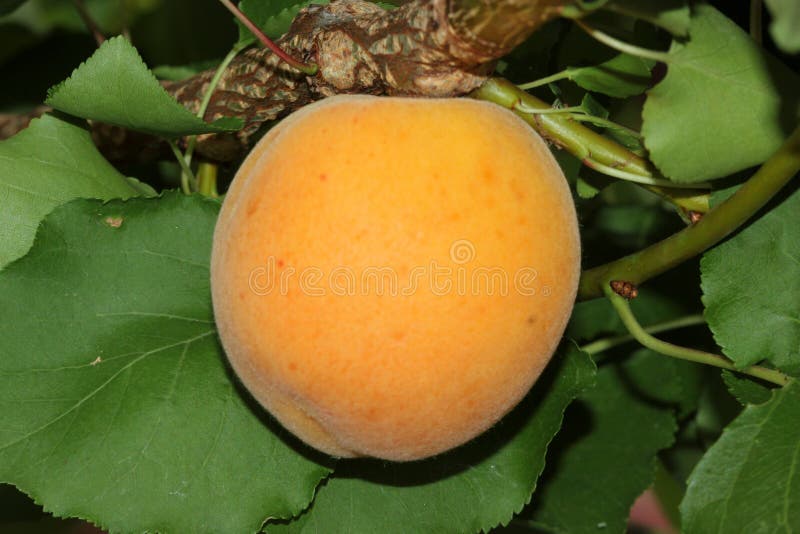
x: 302, y: 67
x: 89, y: 22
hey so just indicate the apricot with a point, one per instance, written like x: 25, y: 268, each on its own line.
x: 391, y: 275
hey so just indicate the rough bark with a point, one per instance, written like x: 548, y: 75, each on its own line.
x: 432, y: 48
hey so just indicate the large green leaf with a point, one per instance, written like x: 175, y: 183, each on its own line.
x: 603, y: 460
x: 473, y: 488
x: 723, y: 106
x: 116, y: 404
x: 754, y: 279
x: 749, y: 481
x: 50, y: 162
x: 115, y: 86
x: 785, y: 24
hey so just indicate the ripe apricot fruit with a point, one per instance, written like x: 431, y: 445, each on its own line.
x: 391, y: 275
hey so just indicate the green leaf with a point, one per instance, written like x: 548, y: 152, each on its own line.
x: 621, y: 76
x: 47, y: 164
x: 723, y: 106
x: 585, y: 189
x: 7, y: 6
x: 672, y: 15
x: 273, y: 17
x: 116, y: 403
x: 603, y: 459
x: 664, y: 380
x: 754, y: 279
x: 745, y: 390
x: 785, y: 24
x: 749, y: 481
x: 474, y: 488
x: 114, y: 86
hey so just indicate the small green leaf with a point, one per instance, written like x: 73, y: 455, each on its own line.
x: 785, y: 24
x: 603, y: 459
x: 749, y: 481
x: 49, y: 163
x: 115, y: 86
x: 585, y: 189
x: 473, y: 488
x: 754, y: 279
x: 116, y: 403
x: 746, y: 390
x: 621, y: 76
x: 723, y: 106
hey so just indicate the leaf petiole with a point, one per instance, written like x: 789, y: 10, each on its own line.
x: 684, y: 353
x: 602, y: 345
x: 309, y: 69
x: 201, y: 113
x: 621, y: 46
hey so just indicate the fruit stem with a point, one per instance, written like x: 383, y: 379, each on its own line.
x: 310, y: 69
x: 207, y: 179
x: 582, y: 142
x: 623, y: 308
x: 712, y: 228
x: 602, y: 345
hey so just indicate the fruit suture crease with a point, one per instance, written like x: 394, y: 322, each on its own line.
x: 390, y: 276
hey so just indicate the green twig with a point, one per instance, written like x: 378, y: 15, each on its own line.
x: 188, y: 182
x: 602, y: 345
x: 582, y: 142
x: 564, y: 74
x: 621, y: 46
x: 212, y: 86
x: 635, y: 178
x: 684, y: 353
x: 710, y: 230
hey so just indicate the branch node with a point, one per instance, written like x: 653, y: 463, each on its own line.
x: 624, y: 289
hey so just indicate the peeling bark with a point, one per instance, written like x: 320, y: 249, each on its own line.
x: 431, y: 48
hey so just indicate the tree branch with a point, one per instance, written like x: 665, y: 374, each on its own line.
x: 431, y: 48
x: 710, y: 230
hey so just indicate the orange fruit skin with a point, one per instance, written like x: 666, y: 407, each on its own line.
x: 414, y: 192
